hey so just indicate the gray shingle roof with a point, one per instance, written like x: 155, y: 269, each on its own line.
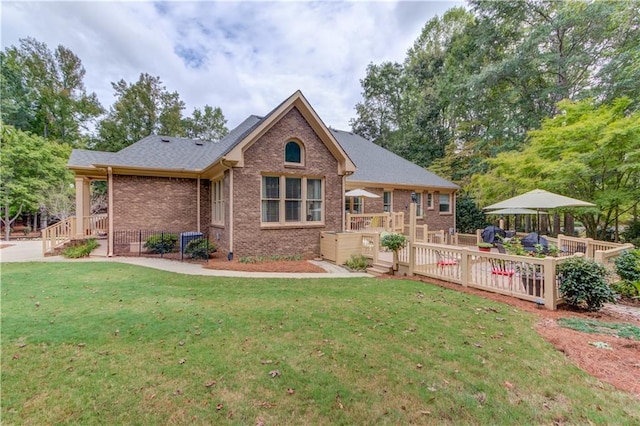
x: 378, y: 165
x: 86, y: 158
x: 165, y: 152
x: 374, y: 163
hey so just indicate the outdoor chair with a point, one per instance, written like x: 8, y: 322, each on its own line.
x: 445, y: 259
x: 502, y: 268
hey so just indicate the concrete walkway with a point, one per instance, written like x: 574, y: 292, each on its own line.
x: 31, y: 251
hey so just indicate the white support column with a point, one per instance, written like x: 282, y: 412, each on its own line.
x: 110, y: 211
x: 80, y: 206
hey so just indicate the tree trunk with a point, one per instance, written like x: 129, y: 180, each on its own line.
x: 6, y: 221
x: 569, y: 226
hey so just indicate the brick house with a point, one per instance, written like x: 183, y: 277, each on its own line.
x: 269, y: 187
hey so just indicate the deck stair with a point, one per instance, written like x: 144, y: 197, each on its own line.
x: 380, y: 268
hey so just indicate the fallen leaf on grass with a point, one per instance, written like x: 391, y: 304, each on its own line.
x: 260, y: 422
x: 425, y: 412
x: 266, y: 361
x: 22, y: 345
x: 274, y: 373
x: 340, y: 406
x: 178, y: 392
x: 181, y: 342
x: 477, y: 345
x: 211, y: 383
x: 418, y: 365
x: 219, y: 406
x: 290, y: 391
x: 16, y: 356
x: 266, y: 404
x: 509, y: 385
x: 182, y: 361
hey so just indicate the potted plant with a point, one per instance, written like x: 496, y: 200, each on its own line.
x: 393, y: 242
x: 486, y: 247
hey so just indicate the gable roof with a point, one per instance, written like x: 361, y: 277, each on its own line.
x: 361, y: 159
x: 155, y: 152
x: 299, y: 102
x: 377, y: 165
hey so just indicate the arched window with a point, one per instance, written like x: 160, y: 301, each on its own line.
x: 293, y: 153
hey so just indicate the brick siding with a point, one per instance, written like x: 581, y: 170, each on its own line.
x: 267, y: 155
x: 155, y: 203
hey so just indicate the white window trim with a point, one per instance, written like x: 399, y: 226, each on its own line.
x: 450, y: 211
x: 282, y: 223
x: 390, y: 191
x: 420, y: 205
x: 429, y: 200
x: 217, y: 205
x: 302, y: 154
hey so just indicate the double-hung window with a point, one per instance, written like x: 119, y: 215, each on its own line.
x: 419, y: 204
x: 387, y: 201
x: 445, y: 203
x: 289, y: 200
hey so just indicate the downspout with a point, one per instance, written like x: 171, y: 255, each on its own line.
x: 230, y: 213
x: 198, y: 206
x: 110, y: 211
x: 342, y: 203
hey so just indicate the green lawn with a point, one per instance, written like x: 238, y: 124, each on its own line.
x: 104, y: 343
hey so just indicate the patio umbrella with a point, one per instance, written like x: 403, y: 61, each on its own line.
x: 539, y: 199
x: 360, y: 193
x: 513, y: 211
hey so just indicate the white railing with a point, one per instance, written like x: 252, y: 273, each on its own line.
x: 527, y: 278
x: 96, y: 225
x: 58, y: 234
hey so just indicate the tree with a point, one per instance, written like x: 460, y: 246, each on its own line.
x: 209, y: 125
x: 384, y: 105
x: 30, y: 168
x: 587, y: 151
x: 141, y: 109
x: 469, y: 217
x: 44, y: 93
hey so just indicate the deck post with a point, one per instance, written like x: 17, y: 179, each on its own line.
x: 465, y: 265
x: 413, y: 209
x: 550, y: 288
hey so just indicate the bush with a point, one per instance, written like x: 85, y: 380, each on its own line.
x: 82, y: 249
x: 628, y: 265
x: 26, y: 230
x: 583, y: 284
x: 393, y: 241
x: 200, y: 248
x: 161, y: 243
x: 357, y: 262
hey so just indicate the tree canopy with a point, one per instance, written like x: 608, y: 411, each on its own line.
x: 31, y: 167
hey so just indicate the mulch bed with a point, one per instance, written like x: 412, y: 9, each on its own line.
x: 303, y: 266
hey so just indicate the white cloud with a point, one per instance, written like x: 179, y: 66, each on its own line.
x: 245, y: 57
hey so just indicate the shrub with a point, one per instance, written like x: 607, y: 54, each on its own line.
x: 583, y: 284
x: 26, y: 230
x: 82, y: 249
x: 628, y: 265
x: 357, y: 262
x: 161, y: 243
x: 627, y: 289
x: 200, y: 248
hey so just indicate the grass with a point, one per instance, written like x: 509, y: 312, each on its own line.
x: 624, y: 330
x: 104, y: 343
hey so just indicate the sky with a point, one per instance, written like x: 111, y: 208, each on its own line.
x: 244, y: 57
